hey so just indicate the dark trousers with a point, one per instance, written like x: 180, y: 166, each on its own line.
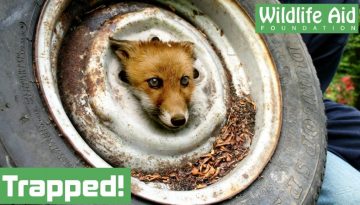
x: 343, y: 125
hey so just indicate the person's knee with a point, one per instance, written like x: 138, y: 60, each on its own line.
x: 341, y: 183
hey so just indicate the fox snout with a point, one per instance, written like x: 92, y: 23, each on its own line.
x: 174, y: 112
x: 167, y: 105
x: 161, y: 75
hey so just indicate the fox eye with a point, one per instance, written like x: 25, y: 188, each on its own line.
x: 155, y: 83
x: 184, y: 81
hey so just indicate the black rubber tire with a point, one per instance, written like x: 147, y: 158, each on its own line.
x: 28, y: 138
x: 295, y: 172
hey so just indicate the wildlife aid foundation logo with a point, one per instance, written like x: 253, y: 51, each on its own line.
x: 307, y: 18
x: 65, y: 186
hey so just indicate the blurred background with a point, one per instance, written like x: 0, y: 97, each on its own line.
x: 345, y: 87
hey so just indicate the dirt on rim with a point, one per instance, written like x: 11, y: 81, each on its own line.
x: 230, y: 147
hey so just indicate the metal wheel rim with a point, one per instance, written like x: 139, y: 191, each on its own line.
x: 268, y: 117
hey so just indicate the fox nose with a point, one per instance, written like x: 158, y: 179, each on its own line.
x: 178, y: 120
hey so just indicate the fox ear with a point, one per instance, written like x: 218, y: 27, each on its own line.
x: 188, y: 46
x: 122, y: 48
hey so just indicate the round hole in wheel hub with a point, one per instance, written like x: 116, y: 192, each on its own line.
x: 230, y: 56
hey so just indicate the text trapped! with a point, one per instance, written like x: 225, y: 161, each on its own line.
x: 307, y: 18
x: 65, y: 186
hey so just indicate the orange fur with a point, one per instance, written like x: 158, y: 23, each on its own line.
x: 169, y: 61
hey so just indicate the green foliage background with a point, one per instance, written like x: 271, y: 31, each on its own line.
x: 350, y: 63
x: 349, y: 66
x: 351, y: 59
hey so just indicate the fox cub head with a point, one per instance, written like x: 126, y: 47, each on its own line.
x: 161, y: 75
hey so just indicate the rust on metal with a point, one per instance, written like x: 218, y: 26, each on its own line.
x: 231, y: 146
x: 74, y: 86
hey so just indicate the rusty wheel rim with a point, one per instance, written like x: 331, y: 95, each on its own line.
x: 238, y: 48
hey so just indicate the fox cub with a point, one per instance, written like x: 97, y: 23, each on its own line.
x: 161, y: 75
